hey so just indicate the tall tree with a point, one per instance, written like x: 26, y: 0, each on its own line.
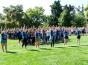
x: 56, y: 10
x: 2, y: 17
x: 86, y: 13
x: 66, y: 16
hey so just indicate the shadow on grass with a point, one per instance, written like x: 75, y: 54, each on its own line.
x: 11, y: 52
x: 67, y: 47
x: 78, y: 46
x: 45, y: 49
x: 84, y: 45
x: 34, y: 50
x: 73, y: 46
x: 60, y: 47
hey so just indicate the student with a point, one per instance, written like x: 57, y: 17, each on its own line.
x: 53, y: 37
x: 25, y: 39
x: 19, y: 35
x: 29, y: 37
x: 4, y: 41
x: 78, y: 36
x: 32, y: 36
x: 37, y: 38
x: 61, y: 33
x: 83, y: 31
x: 48, y: 35
x: 65, y: 37
x: 44, y: 36
x: 57, y: 35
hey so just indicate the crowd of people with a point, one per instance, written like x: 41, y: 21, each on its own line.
x: 37, y: 36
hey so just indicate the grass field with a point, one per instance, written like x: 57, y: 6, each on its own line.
x: 45, y: 55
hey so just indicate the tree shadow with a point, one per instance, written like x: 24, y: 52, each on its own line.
x: 11, y: 52
x: 45, y: 49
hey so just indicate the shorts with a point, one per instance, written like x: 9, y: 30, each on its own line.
x: 3, y: 41
x: 66, y: 37
x: 78, y: 37
x: 20, y: 38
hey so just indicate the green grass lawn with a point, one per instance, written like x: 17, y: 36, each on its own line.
x: 45, y: 55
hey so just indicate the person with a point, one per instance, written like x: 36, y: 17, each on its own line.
x: 65, y: 37
x: 44, y: 36
x: 83, y: 31
x: 78, y: 37
x: 4, y: 41
x: 37, y: 37
x: 32, y: 32
x: 29, y: 37
x: 25, y: 39
x: 48, y: 35
x: 53, y: 37
x: 57, y: 35
x: 19, y: 35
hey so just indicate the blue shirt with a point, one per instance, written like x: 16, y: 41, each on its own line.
x: 4, y: 36
x: 25, y: 35
x: 78, y: 33
x: 53, y: 33
x: 65, y: 34
x: 29, y: 35
x: 38, y: 34
x: 19, y: 34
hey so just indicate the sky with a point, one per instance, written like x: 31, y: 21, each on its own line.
x: 41, y: 3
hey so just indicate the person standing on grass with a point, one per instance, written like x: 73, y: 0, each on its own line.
x: 83, y: 31
x: 19, y: 35
x: 29, y: 36
x: 65, y: 37
x: 48, y: 35
x: 53, y: 36
x: 44, y: 36
x: 4, y: 41
x: 25, y: 38
x: 37, y: 38
x: 32, y: 32
x: 78, y: 36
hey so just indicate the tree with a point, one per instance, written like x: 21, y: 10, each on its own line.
x: 79, y: 20
x: 56, y: 10
x: 14, y: 13
x: 36, y: 16
x: 2, y: 17
x: 66, y: 16
x: 86, y: 13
